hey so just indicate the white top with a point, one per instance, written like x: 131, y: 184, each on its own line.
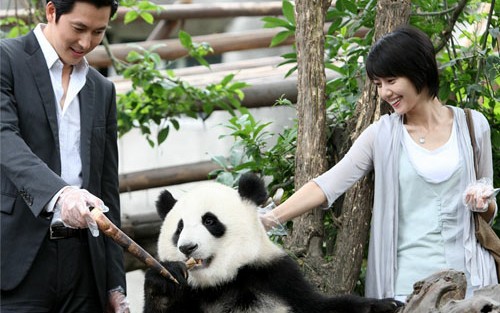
x: 434, y: 165
x: 68, y: 117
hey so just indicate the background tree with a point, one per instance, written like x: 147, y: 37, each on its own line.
x: 310, y: 159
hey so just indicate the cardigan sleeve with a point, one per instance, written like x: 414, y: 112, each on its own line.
x: 355, y: 164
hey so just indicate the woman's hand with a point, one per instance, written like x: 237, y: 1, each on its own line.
x: 478, y: 195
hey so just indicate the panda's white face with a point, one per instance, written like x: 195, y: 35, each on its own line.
x: 213, y: 224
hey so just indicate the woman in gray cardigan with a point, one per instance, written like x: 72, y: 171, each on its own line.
x: 423, y: 164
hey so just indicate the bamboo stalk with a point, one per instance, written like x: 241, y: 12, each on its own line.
x: 118, y: 236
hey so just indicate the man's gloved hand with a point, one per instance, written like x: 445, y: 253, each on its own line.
x: 117, y: 302
x: 477, y: 196
x: 74, y: 206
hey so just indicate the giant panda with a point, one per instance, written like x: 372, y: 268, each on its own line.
x: 240, y: 270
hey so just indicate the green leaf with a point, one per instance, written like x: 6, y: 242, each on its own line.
x: 335, y: 68
x: 227, y: 79
x: 225, y: 178
x: 130, y: 16
x: 290, y: 72
x: 238, y: 85
x: 280, y: 37
x: 220, y: 160
x: 272, y: 22
x: 185, y: 39
x: 163, y: 134
x: 350, y: 6
x: 201, y: 60
x: 289, y: 11
x: 134, y: 56
x: 147, y: 17
x: 175, y: 123
x: 148, y: 6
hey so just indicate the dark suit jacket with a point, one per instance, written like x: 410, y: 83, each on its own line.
x: 31, y: 165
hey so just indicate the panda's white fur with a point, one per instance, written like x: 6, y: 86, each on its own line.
x: 241, y: 244
x: 242, y: 270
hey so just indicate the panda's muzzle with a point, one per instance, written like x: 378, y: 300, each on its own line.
x: 188, y: 249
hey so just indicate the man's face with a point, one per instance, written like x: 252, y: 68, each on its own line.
x: 77, y: 32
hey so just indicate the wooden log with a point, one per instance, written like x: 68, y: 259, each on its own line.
x: 172, y: 49
x: 267, y: 79
x: 486, y: 299
x: 220, y: 43
x: 189, y: 10
x: 211, y: 10
x: 166, y: 176
x: 435, y: 291
x: 444, y: 292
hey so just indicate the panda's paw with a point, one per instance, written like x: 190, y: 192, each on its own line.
x: 387, y: 305
x: 158, y: 284
x: 178, y: 269
x: 161, y: 293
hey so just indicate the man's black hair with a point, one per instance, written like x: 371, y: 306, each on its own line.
x: 66, y: 6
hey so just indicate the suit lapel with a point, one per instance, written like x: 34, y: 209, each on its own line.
x: 87, y: 103
x: 43, y: 83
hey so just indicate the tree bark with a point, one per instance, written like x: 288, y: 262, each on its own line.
x: 306, y: 237
x: 355, y: 218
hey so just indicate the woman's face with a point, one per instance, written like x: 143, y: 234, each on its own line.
x: 399, y: 92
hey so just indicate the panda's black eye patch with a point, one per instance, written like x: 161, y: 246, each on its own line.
x: 180, y: 227
x: 213, y: 225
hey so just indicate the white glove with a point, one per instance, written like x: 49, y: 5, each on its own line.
x: 117, y: 302
x: 74, y: 206
x: 271, y: 223
x: 478, y: 195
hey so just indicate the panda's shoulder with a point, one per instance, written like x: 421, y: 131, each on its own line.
x: 276, y: 270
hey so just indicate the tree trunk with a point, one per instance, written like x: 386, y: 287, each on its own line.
x: 306, y: 237
x: 355, y: 218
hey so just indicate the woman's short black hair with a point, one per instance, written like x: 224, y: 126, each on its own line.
x: 405, y: 52
x: 66, y: 6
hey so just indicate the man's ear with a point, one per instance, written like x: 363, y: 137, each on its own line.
x: 50, y: 12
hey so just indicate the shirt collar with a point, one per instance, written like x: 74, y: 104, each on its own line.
x: 50, y: 54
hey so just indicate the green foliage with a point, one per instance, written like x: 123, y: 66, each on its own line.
x: 158, y: 99
x: 196, y: 50
x: 289, y: 24
x: 18, y: 27
x: 251, y: 151
x: 139, y: 9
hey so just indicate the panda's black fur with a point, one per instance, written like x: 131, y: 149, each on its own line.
x: 243, y: 271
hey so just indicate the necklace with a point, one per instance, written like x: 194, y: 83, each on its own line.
x: 421, y: 139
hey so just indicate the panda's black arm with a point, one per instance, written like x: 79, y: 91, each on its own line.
x: 284, y: 279
x: 164, y: 296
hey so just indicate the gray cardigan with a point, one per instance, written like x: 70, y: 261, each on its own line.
x: 378, y: 148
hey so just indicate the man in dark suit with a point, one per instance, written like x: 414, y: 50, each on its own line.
x: 59, y: 157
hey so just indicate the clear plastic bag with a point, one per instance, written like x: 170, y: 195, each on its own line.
x: 278, y: 229
x: 478, y: 195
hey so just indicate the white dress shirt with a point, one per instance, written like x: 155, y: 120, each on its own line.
x: 68, y: 116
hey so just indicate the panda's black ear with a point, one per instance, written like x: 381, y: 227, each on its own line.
x: 165, y: 203
x: 252, y: 187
